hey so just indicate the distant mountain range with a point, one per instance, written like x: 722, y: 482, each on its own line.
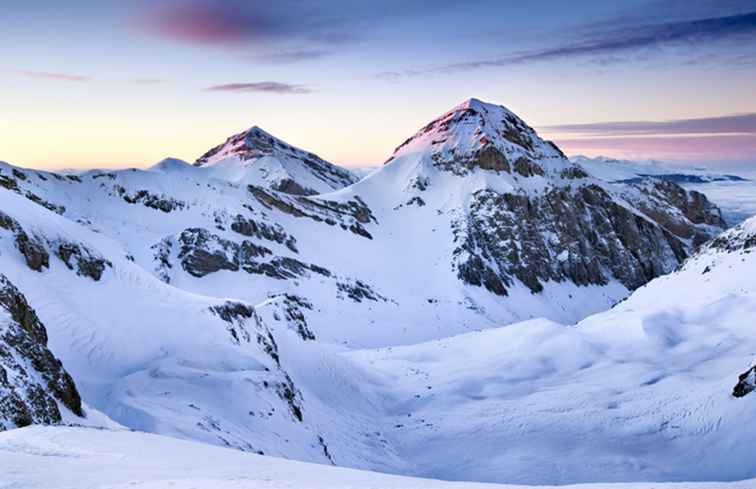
x: 615, y: 170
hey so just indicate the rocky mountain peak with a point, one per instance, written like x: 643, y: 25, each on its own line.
x: 276, y: 164
x: 246, y: 145
x: 472, y: 127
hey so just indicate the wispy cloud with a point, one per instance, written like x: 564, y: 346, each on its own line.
x: 295, y: 56
x: 713, y: 148
x: 53, y: 76
x: 729, y: 124
x: 713, y: 138
x: 264, y: 86
x: 610, y: 46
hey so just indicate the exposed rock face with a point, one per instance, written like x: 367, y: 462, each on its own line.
x: 32, y: 380
x: 202, y: 252
x: 697, y: 220
x: 283, y: 167
x: 746, y: 383
x: 582, y: 235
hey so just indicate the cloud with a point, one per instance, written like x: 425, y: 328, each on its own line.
x: 264, y: 87
x: 729, y: 137
x: 284, y: 31
x: 295, y: 56
x: 254, y: 22
x: 714, y: 148
x: 609, y: 46
x: 54, y: 76
x: 729, y: 124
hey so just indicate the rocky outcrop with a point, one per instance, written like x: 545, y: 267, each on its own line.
x: 740, y: 238
x: 290, y: 309
x: 351, y: 215
x: 147, y: 199
x: 33, y: 383
x: 84, y: 261
x: 35, y: 251
x: 201, y: 252
x: 746, y: 383
x: 260, y: 230
x: 11, y: 183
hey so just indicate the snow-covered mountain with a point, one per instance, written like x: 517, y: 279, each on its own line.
x: 258, y: 158
x: 338, y: 321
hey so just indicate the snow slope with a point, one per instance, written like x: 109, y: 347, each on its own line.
x: 90, y: 459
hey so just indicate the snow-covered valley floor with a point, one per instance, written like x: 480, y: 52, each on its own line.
x: 86, y: 458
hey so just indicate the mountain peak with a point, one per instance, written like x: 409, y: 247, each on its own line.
x: 473, y: 125
x: 252, y: 143
x: 257, y: 157
x: 479, y: 105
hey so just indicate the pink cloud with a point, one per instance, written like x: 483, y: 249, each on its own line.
x: 206, y: 23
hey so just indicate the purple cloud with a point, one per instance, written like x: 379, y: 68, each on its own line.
x: 729, y: 124
x: 254, y: 22
x: 609, y: 45
x: 714, y: 148
x: 264, y: 86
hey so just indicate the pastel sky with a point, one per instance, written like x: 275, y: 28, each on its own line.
x: 113, y: 83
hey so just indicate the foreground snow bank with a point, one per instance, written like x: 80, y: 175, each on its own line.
x: 63, y: 457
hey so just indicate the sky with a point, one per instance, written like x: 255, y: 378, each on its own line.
x: 116, y: 84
